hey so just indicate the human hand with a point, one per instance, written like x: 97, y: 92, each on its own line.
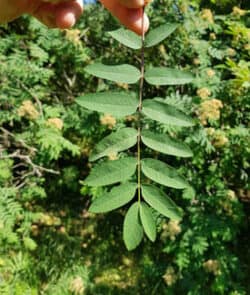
x: 64, y: 13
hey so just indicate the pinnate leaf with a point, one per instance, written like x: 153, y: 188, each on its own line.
x: 115, y: 142
x: 157, y: 35
x: 164, y: 144
x: 116, y: 198
x: 167, y: 76
x: 118, y: 73
x: 166, y: 114
x: 132, y: 229
x: 148, y: 221
x: 117, y: 104
x: 127, y: 38
x: 158, y: 200
x: 111, y: 172
x: 163, y: 174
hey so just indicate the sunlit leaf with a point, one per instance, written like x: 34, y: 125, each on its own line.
x: 116, y: 198
x: 118, y: 73
x: 111, y: 172
x: 167, y: 76
x: 165, y: 113
x: 114, y: 103
x: 164, y: 144
x: 127, y: 38
x: 163, y: 174
x: 158, y: 200
x: 115, y: 142
x: 160, y: 33
x: 132, y: 229
x: 148, y: 221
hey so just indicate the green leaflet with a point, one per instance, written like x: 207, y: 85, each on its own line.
x: 119, y: 73
x: 112, y: 172
x: 160, y: 33
x: 115, y: 142
x: 116, y: 198
x: 162, y: 173
x: 148, y: 221
x: 164, y: 144
x: 127, y: 38
x: 167, y: 76
x: 161, y: 202
x: 117, y: 104
x: 165, y: 113
x: 132, y: 229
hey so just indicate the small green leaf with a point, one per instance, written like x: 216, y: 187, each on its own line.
x: 165, y: 113
x: 161, y: 202
x: 117, y: 104
x: 116, y: 198
x: 164, y: 144
x: 127, y: 38
x: 167, y: 76
x: 119, y: 73
x: 163, y: 174
x: 132, y: 229
x: 157, y: 35
x: 112, y: 172
x: 115, y: 142
x: 148, y: 221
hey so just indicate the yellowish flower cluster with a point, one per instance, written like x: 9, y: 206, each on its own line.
x: 212, y: 266
x: 170, y: 230
x: 56, y: 123
x: 170, y: 277
x: 73, y: 35
x: 113, y: 156
x: 231, y: 52
x: 207, y: 15
x: 203, y: 93
x: 219, y: 138
x: 238, y: 12
x: 77, y: 286
x: 28, y: 110
x: 210, y: 73
x: 209, y: 110
x: 49, y: 220
x: 212, y: 36
x: 108, y: 120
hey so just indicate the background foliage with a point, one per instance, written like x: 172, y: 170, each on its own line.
x: 49, y: 243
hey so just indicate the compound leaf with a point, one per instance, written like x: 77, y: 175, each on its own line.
x: 167, y: 76
x: 165, y: 113
x: 116, y: 198
x: 115, y: 142
x: 112, y: 172
x: 160, y: 33
x: 117, y: 104
x: 132, y: 229
x: 118, y: 73
x: 148, y: 221
x: 163, y: 174
x: 164, y: 144
x: 126, y: 38
x: 158, y: 200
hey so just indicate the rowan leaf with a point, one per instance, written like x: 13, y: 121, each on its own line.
x: 167, y: 76
x: 158, y: 200
x: 160, y: 33
x: 111, y: 172
x: 166, y: 114
x: 163, y: 174
x: 119, y: 73
x: 166, y: 145
x: 118, y: 141
x: 132, y: 229
x: 148, y: 221
x: 127, y: 38
x: 117, y: 104
x: 116, y: 198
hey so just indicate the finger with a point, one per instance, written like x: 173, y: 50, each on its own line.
x: 132, y: 3
x: 131, y: 18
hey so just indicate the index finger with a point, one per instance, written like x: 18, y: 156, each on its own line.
x: 131, y: 18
